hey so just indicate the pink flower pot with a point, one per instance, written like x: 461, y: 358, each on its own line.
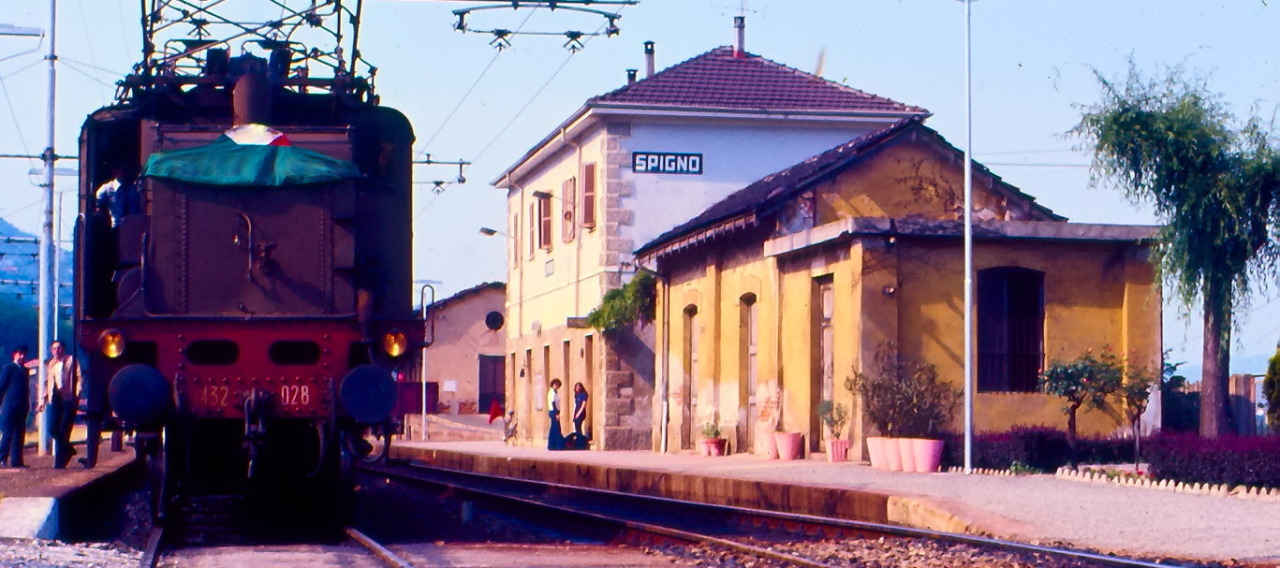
x: 790, y: 445
x: 716, y: 446
x: 906, y: 450
x: 704, y: 446
x: 770, y: 446
x: 837, y: 450
x: 892, y: 456
x: 875, y: 448
x: 928, y: 454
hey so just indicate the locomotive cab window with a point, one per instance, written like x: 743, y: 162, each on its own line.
x: 287, y: 352
x: 213, y: 352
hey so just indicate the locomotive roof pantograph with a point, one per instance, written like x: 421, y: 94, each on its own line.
x: 310, y: 45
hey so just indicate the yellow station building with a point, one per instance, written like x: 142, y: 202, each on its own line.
x: 770, y: 298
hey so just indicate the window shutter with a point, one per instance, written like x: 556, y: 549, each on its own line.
x: 569, y: 197
x: 544, y: 222
x: 533, y: 231
x: 589, y: 196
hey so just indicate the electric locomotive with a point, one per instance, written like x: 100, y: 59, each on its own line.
x: 243, y: 254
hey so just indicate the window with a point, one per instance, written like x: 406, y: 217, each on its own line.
x: 568, y: 196
x: 544, y: 222
x: 1010, y: 329
x: 589, y: 196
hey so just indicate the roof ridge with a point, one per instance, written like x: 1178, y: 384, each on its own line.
x: 720, y: 78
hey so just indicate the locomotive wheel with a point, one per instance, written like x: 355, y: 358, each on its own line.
x: 158, y: 474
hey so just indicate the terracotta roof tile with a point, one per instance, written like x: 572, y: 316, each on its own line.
x: 760, y: 195
x: 718, y: 79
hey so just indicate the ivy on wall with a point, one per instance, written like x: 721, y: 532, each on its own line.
x: 625, y: 306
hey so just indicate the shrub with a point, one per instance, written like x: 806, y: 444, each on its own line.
x: 1232, y: 460
x: 834, y: 415
x: 1034, y: 447
x: 904, y: 397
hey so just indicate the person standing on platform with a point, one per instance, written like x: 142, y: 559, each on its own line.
x: 579, y: 408
x: 555, y: 438
x: 62, y: 399
x: 15, y: 404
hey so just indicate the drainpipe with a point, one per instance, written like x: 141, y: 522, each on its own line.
x: 664, y: 369
x: 648, y: 59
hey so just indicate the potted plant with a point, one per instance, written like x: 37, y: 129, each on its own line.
x: 835, y: 416
x: 712, y: 443
x: 905, y: 400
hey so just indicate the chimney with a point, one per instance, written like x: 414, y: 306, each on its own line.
x: 740, y: 24
x: 631, y: 76
x: 648, y: 59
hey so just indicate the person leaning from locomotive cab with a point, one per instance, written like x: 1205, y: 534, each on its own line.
x: 15, y: 397
x: 61, y: 400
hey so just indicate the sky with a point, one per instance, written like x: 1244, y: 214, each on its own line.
x: 1033, y: 67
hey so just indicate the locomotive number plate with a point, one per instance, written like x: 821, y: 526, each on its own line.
x: 295, y: 395
x: 217, y: 396
x: 224, y: 397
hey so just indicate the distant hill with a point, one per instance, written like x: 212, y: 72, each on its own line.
x: 19, y: 262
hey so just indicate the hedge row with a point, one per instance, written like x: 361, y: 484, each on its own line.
x: 1232, y: 460
x: 1037, y: 447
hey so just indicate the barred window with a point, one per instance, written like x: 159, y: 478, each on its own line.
x: 1010, y: 329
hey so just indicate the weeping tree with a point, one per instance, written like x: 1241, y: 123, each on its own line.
x: 1169, y: 142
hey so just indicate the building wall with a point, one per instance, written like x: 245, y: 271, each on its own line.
x: 546, y: 288
x: 461, y: 336
x: 1097, y: 294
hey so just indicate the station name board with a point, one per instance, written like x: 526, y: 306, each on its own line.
x: 666, y: 163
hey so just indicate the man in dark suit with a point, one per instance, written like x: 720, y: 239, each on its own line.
x: 15, y: 403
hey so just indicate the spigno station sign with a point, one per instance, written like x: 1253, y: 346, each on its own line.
x: 666, y: 163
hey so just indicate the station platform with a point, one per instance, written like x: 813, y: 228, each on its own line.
x: 1039, y: 509
x: 30, y: 497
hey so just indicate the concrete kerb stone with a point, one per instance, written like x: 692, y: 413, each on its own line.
x: 842, y: 503
x: 29, y: 517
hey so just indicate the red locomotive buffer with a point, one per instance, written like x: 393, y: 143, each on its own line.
x: 243, y: 275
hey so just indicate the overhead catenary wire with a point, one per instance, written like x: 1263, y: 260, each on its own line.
x: 470, y: 89
x: 536, y: 94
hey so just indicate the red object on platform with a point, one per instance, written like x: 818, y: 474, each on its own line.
x: 495, y: 411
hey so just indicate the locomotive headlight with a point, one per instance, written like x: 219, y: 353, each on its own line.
x: 111, y: 343
x: 395, y: 343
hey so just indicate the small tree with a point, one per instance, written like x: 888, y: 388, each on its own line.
x: 835, y: 416
x: 1084, y: 381
x: 1271, y: 392
x: 1137, y: 394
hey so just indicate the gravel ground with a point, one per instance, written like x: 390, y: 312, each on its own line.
x: 1039, y: 509
x: 52, y: 554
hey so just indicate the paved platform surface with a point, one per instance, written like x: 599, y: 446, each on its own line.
x: 1040, y: 509
x: 29, y: 496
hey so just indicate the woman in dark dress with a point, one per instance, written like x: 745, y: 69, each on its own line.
x: 555, y: 438
x: 579, y: 408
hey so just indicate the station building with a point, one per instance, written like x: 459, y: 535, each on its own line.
x: 623, y: 169
x: 770, y: 298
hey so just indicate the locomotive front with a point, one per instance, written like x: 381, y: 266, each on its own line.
x: 243, y: 268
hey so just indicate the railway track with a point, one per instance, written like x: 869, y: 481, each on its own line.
x: 300, y: 555
x: 766, y: 535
